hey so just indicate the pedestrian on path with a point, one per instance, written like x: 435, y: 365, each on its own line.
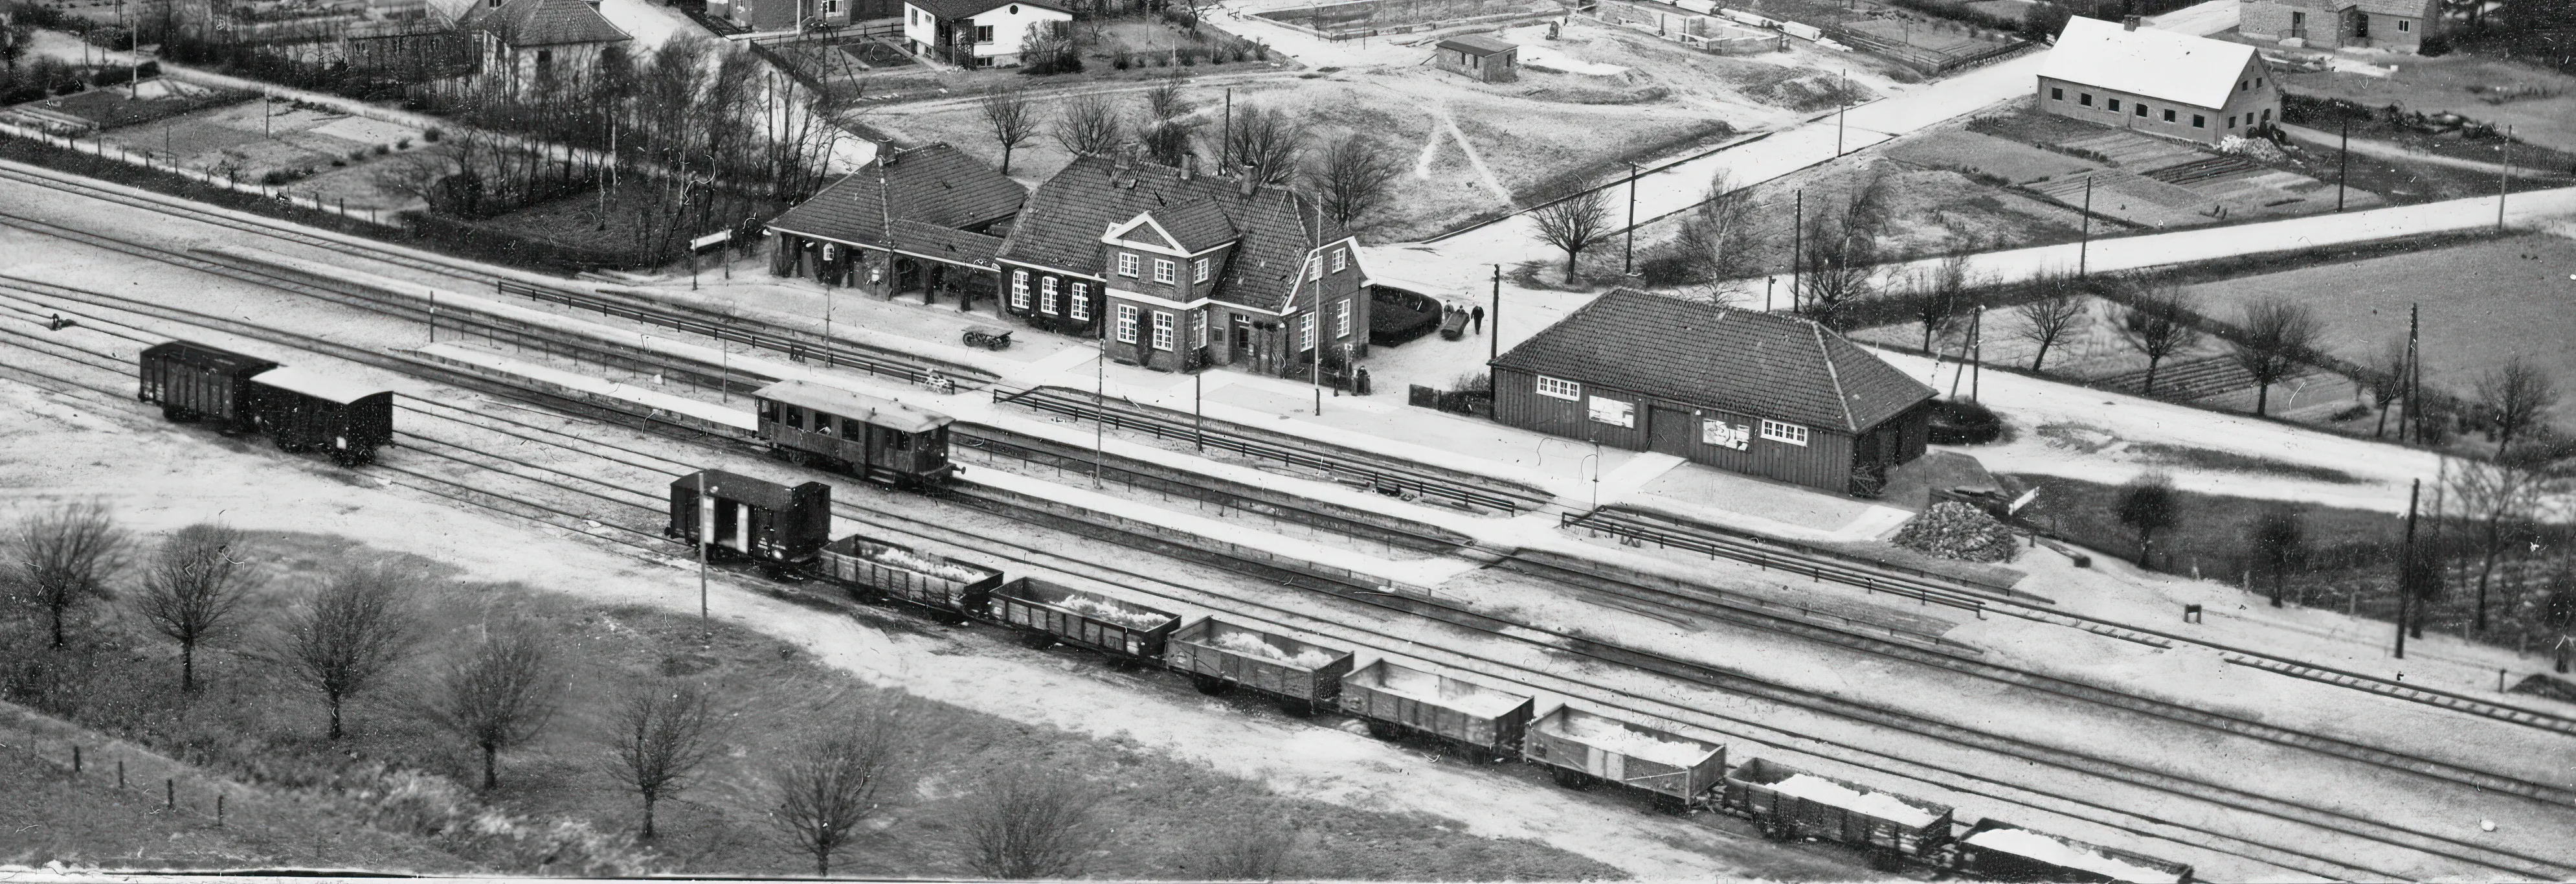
x: 1479, y: 315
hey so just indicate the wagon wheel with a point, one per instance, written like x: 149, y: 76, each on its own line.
x: 1297, y: 708
x: 1772, y: 830
x: 174, y: 414
x: 1383, y: 730
x: 344, y: 457
x: 1208, y: 684
x: 1572, y: 779
x: 1671, y: 804
x: 1038, y: 641
x: 285, y: 440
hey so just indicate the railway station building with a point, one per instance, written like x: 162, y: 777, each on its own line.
x: 1177, y: 270
x: 929, y: 219
x: 1759, y: 393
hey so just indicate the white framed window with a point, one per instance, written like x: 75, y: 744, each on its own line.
x: 1559, y: 389
x: 1126, y: 263
x: 1127, y: 323
x: 1046, y: 296
x: 831, y: 7
x: 1019, y: 290
x: 1199, y: 270
x: 1198, y: 328
x: 1342, y: 318
x: 1162, y: 330
x: 1163, y: 270
x: 1614, y: 412
x: 1080, y: 309
x: 1341, y: 259
x: 1784, y: 432
x: 2405, y: 25
x: 1725, y: 435
x: 1306, y: 332
x: 1315, y: 268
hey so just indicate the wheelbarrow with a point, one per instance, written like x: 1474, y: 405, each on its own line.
x: 988, y: 338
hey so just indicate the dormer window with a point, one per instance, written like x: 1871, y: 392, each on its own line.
x: 1199, y: 270
x: 1127, y: 264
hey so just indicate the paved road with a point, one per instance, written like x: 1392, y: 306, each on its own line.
x: 2395, y: 151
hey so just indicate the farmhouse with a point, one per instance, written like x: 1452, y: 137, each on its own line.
x: 2400, y: 25
x: 1178, y: 270
x: 1744, y: 390
x: 2157, y: 82
x: 975, y: 33
x: 1480, y: 57
x: 523, y: 41
x: 932, y: 211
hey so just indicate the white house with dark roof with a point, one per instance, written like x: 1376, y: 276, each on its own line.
x: 2397, y: 25
x: 2157, y: 82
x: 975, y: 33
x: 523, y: 41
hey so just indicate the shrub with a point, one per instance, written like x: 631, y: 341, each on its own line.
x: 431, y: 134
x: 404, y: 144
x: 1666, y: 270
x: 2433, y: 46
x: 336, y: 162
x: 148, y: 69
x: 1189, y: 57
x: 383, y: 149
x: 1963, y: 422
x: 1123, y: 60
x: 273, y: 177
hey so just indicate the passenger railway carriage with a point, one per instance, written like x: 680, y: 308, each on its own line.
x: 880, y: 440
x: 300, y: 408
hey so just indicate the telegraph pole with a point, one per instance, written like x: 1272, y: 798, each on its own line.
x: 2343, y: 162
x: 1494, y: 341
x: 706, y: 535
x: 2406, y: 566
x: 2504, y: 175
x: 1628, y: 252
x: 1977, y: 339
x: 1099, y: 404
x: 1842, y: 102
x: 1797, y: 245
x: 2084, y: 246
x: 2414, y: 371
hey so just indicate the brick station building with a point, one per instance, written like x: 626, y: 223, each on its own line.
x: 933, y: 213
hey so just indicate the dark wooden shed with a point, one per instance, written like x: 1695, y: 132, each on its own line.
x: 1765, y: 394
x: 1479, y: 56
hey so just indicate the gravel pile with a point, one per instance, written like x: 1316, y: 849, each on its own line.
x: 1954, y: 530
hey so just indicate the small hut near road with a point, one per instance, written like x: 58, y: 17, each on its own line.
x: 1479, y: 56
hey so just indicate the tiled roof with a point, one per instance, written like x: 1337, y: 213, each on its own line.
x: 1200, y: 225
x: 972, y: 8
x: 933, y: 184
x: 1065, y: 217
x: 946, y: 244
x: 2408, y: 8
x: 1477, y: 44
x: 525, y: 23
x: 1762, y: 364
x: 2180, y: 68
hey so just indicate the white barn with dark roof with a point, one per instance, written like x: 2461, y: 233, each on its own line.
x: 2157, y: 82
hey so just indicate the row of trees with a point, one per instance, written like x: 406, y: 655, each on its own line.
x: 1353, y: 175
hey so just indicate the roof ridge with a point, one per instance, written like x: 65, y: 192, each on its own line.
x: 1842, y: 398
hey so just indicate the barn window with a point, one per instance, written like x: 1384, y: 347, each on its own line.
x: 2199, y: 122
x: 2084, y: 98
x: 1046, y: 296
x: 1080, y: 308
x: 983, y: 33
x: 1127, y: 323
x: 1127, y: 265
x: 1559, y: 389
x: 1162, y: 270
x: 1614, y: 412
x: 831, y: 7
x: 1162, y: 330
x: 2115, y: 105
x: 1784, y: 432
x: 2231, y: 121
x: 1019, y: 290
x: 2403, y: 25
x: 2056, y: 94
x: 2142, y: 108
x: 2169, y: 115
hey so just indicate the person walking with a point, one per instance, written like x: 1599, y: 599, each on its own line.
x: 1479, y: 315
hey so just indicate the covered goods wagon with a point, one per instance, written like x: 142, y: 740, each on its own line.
x: 1396, y: 698
x: 1585, y: 748
x: 307, y: 410
x: 1050, y: 613
x: 1999, y: 851
x: 1790, y: 803
x: 752, y: 518
x: 193, y: 382
x: 877, y: 569
x: 1216, y: 654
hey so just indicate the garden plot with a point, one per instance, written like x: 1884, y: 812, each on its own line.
x: 337, y: 156
x: 2538, y: 103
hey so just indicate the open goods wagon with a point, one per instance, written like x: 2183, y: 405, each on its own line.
x: 1790, y: 803
x: 1050, y: 613
x: 874, y: 568
x: 1585, y: 748
x: 729, y: 514
x: 1999, y: 851
x: 1216, y: 654
x: 1394, y: 698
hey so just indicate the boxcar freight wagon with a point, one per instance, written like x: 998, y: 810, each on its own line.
x: 1791, y: 803
x: 1585, y: 748
x: 299, y: 408
x: 1049, y: 613
x: 733, y: 515
x: 1216, y: 655
x: 194, y: 382
x: 1473, y: 716
x: 876, y: 569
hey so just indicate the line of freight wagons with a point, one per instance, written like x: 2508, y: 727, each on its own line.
x: 785, y: 530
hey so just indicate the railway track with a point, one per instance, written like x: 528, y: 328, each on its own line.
x: 1743, y: 729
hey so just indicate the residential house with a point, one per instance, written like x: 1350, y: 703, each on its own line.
x: 975, y: 33
x: 1479, y: 57
x: 2398, y: 25
x: 1766, y: 394
x: 930, y: 218
x: 763, y: 16
x: 524, y: 41
x: 1178, y: 270
x: 2157, y: 82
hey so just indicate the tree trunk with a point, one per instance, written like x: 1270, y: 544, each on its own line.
x: 2149, y: 388
x: 1006, y: 159
x: 2280, y: 575
x: 2262, y: 398
x: 57, y: 611
x: 822, y: 863
x: 335, y: 716
x: 648, y: 817
x: 1569, y: 264
x: 491, y: 773
x: 2043, y: 355
x: 1927, y: 337
x: 2486, y: 566
x: 187, y: 667
x: 2382, y: 429
x: 2146, y: 544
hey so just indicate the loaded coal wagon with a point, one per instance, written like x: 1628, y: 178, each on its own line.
x: 846, y: 431
x: 1790, y: 803
x: 195, y: 382
x: 875, y: 569
x: 1050, y: 613
x: 731, y: 515
x: 303, y: 410
x: 1216, y: 655
x: 1584, y: 749
x: 1394, y: 699
x: 1999, y: 851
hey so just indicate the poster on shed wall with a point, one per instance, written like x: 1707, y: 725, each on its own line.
x: 1725, y: 435
x: 1615, y: 412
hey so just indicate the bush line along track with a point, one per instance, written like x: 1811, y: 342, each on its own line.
x: 1431, y: 483
x: 2331, y: 821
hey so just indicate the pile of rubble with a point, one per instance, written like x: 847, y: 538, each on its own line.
x: 1954, y: 530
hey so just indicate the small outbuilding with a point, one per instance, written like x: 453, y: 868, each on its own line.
x: 1479, y: 56
x: 1764, y: 394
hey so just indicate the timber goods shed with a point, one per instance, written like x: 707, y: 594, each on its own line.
x: 1758, y: 393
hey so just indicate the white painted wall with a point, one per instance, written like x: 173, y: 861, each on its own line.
x: 1010, y: 22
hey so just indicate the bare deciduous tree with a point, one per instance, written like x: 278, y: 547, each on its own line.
x: 2158, y: 321
x: 1718, y: 235
x: 2516, y: 395
x: 2048, y: 320
x: 2495, y: 494
x: 830, y: 784
x: 1089, y: 127
x: 1029, y: 823
x: 2278, y: 334
x: 2148, y: 504
x: 1839, y: 269
x: 352, y: 629
x: 2387, y: 379
x: 664, y: 731
x: 1939, y: 296
x: 63, y: 558
x: 2280, y: 539
x: 1354, y: 174
x: 1269, y: 142
x: 498, y: 694
x: 1164, y: 101
x: 1168, y: 141
x: 192, y: 585
x: 1573, y: 224
x: 1012, y: 121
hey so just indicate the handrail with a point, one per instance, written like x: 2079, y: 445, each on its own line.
x: 1815, y: 568
x: 831, y: 354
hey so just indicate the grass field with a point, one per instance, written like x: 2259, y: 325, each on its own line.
x: 2447, y: 83
x: 1165, y: 817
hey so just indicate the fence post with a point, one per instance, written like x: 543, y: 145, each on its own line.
x: 120, y: 773
x: 170, y: 793
x: 219, y: 810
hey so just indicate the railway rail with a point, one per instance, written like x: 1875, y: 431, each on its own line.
x: 1561, y: 642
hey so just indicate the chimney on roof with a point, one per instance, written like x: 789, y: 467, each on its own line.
x: 1189, y: 166
x: 2128, y: 23
x: 1247, y: 180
